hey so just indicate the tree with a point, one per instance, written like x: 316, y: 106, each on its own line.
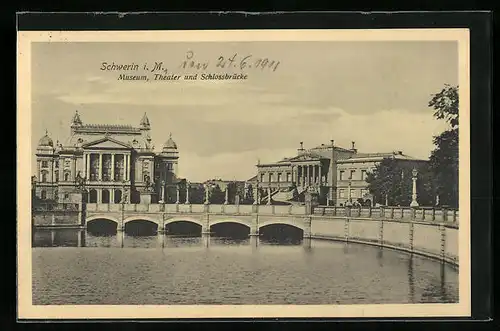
x: 444, y: 158
x: 390, y: 179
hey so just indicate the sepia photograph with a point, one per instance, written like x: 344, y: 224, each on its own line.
x: 243, y: 174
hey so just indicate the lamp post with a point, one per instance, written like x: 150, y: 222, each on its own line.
x: 414, y: 202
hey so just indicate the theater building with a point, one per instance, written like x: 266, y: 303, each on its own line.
x: 114, y: 163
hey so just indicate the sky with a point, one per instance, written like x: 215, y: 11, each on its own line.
x: 374, y: 93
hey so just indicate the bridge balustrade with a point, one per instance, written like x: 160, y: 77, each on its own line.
x: 426, y: 214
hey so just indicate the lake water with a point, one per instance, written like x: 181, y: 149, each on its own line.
x: 76, y: 267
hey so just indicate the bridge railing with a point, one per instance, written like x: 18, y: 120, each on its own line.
x: 197, y: 208
x: 425, y: 214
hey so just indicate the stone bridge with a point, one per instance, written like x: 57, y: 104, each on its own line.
x: 254, y: 217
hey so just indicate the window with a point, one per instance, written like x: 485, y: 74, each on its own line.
x: 354, y: 193
x: 43, y: 195
x: 44, y: 177
x: 170, y: 166
x: 342, y: 193
x: 288, y: 177
x: 341, y: 175
x: 270, y: 177
x: 66, y: 176
x: 57, y: 164
x: 352, y: 174
x: 363, y: 192
x: 261, y: 178
x: 57, y: 176
x: 66, y: 196
x: 44, y: 164
x: 363, y: 174
x: 279, y: 178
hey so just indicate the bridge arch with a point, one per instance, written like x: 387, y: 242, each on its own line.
x: 297, y: 224
x: 183, y: 219
x: 141, y: 218
x: 102, y: 217
x: 247, y: 223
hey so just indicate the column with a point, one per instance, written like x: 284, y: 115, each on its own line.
x: 128, y: 168
x: 99, y: 195
x: 112, y: 167
x: 111, y: 195
x: 314, y: 174
x: 100, y: 166
x: 226, y: 199
x: 307, y: 175
x: 320, y: 170
x: 256, y: 194
x: 187, y: 195
x: 87, y: 156
x: 178, y: 194
x: 125, y: 167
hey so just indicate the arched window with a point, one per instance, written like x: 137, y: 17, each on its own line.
x: 57, y: 176
x: 66, y: 177
x: 43, y: 195
x: 93, y: 196
x: 44, y: 176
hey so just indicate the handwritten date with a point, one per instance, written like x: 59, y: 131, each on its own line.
x: 231, y: 62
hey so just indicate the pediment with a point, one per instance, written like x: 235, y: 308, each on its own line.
x: 106, y: 143
x: 305, y: 158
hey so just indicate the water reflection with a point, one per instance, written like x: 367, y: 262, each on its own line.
x: 122, y: 239
x: 251, y: 270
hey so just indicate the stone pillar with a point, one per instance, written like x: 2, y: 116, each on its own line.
x: 269, y: 195
x: 100, y: 166
x: 112, y: 167
x: 178, y: 195
x: 162, y: 190
x: 320, y: 170
x: 226, y: 199
x: 111, y: 195
x: 314, y: 174
x: 256, y: 195
x: 99, y: 195
x: 187, y: 195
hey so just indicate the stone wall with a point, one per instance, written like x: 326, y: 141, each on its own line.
x: 57, y: 218
x: 433, y: 239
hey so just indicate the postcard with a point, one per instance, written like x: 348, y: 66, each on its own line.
x: 243, y: 174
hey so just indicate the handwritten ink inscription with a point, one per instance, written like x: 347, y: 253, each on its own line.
x: 234, y: 61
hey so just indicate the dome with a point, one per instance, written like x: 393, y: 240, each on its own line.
x: 46, y: 141
x: 170, y: 144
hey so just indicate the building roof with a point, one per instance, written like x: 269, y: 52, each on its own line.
x: 362, y: 157
x: 170, y: 143
x: 46, y: 140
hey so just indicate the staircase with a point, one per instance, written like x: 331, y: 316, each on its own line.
x: 285, y: 195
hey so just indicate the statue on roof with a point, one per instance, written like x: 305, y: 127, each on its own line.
x: 76, y: 121
x: 145, y: 122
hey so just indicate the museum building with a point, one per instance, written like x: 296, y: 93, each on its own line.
x: 336, y: 174
x: 113, y: 163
